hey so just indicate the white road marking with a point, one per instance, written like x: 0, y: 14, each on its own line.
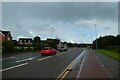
x: 78, y: 75
x: 44, y: 58
x: 28, y: 59
x: 70, y: 66
x: 102, y: 66
x: 12, y: 57
x: 13, y: 67
x: 59, y: 54
x: 7, y: 58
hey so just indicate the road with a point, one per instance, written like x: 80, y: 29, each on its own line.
x: 75, y: 63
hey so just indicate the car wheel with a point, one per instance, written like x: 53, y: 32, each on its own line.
x: 42, y: 54
x: 55, y: 53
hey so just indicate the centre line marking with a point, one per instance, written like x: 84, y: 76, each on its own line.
x: 13, y: 67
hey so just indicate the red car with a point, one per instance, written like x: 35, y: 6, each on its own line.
x: 47, y: 51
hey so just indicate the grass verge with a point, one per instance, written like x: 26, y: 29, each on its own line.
x: 110, y: 53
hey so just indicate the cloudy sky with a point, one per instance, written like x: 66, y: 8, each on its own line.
x: 68, y: 21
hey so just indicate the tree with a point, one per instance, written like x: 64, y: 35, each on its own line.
x: 37, y: 43
x: 37, y: 39
x: 53, y: 43
x: 108, y: 42
x: 8, y: 47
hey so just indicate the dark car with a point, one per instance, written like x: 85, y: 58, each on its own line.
x: 62, y: 49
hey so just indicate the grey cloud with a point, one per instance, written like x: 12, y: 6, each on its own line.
x: 38, y: 17
x: 68, y: 12
x: 60, y: 0
x: 119, y: 17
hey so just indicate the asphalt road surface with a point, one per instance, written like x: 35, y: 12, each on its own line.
x: 74, y: 63
x: 37, y: 66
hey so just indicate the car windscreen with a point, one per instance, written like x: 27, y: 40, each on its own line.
x: 46, y: 48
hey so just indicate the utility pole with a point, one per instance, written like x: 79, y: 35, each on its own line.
x: 96, y: 35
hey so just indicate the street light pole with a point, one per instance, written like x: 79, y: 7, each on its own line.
x: 52, y: 32
x: 96, y: 35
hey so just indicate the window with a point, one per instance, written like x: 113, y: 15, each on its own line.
x: 20, y: 40
x: 8, y: 38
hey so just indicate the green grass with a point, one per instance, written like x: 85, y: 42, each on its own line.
x: 110, y: 53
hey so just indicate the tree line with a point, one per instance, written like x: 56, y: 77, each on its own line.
x: 108, y: 42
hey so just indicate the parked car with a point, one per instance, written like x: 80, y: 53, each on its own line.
x: 47, y: 51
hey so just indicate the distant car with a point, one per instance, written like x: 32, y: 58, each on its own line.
x: 47, y: 51
x: 62, y: 49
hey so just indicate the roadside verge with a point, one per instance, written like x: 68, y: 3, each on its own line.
x: 109, y: 63
x: 110, y: 53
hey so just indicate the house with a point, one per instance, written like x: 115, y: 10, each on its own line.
x: 15, y: 42
x: 25, y: 40
x: 43, y: 42
x: 5, y: 36
x: 1, y: 37
x: 52, y: 40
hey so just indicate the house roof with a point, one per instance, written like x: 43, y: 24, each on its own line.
x: 25, y: 38
x: 5, y: 32
x: 43, y: 40
x: 50, y: 39
x: 2, y: 34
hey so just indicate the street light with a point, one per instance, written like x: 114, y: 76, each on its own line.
x: 96, y: 35
x: 52, y: 32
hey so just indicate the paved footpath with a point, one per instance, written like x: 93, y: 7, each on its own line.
x: 92, y: 67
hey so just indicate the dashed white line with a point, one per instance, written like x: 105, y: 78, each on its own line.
x: 12, y: 57
x: 13, y: 67
x: 28, y: 59
x: 44, y: 58
x: 59, y: 54
x: 7, y: 58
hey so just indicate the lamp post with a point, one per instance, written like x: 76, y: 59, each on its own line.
x: 52, y: 32
x: 96, y: 35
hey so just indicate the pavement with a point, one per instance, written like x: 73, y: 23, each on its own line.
x: 92, y: 67
x: 110, y: 64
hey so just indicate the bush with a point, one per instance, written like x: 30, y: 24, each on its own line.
x: 28, y: 49
x: 38, y: 47
x: 8, y: 47
x: 113, y: 48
